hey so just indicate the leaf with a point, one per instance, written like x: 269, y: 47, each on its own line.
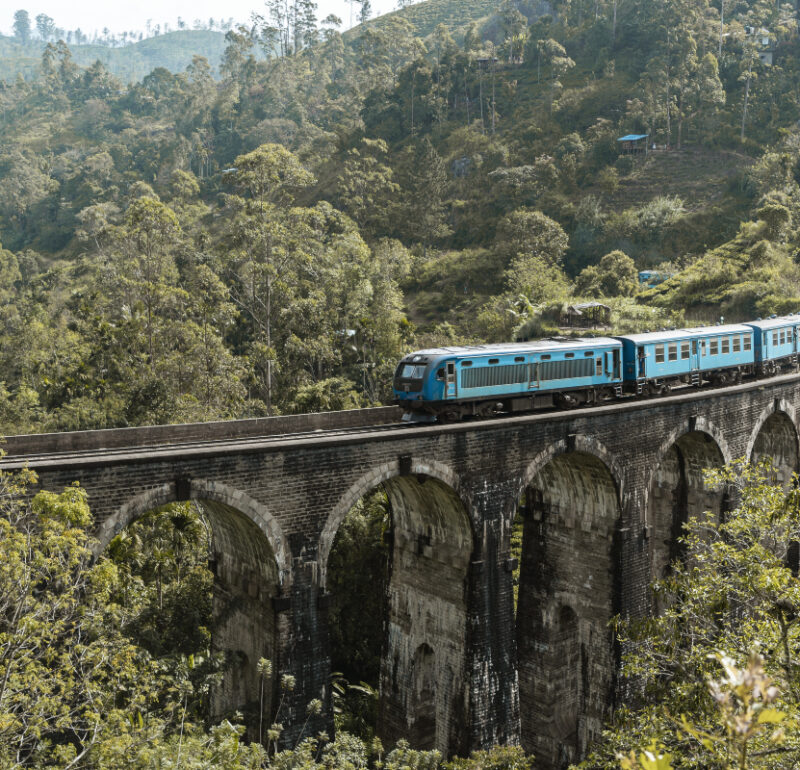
x: 770, y: 716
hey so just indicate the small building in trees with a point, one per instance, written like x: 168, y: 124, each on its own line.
x: 587, y: 314
x: 633, y: 144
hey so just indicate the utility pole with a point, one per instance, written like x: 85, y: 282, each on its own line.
x: 493, y: 102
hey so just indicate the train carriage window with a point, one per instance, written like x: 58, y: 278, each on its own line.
x: 519, y: 359
x: 546, y: 357
x: 589, y: 353
x: 569, y: 355
x: 748, y: 344
x: 598, y: 367
x: 775, y: 338
x: 673, y: 351
x: 686, y: 350
x: 659, y: 354
x: 412, y: 371
x: 726, y: 345
x: 737, y: 344
x: 440, y: 374
x: 781, y: 337
x: 713, y: 345
x: 495, y: 376
x: 466, y: 363
x: 494, y: 360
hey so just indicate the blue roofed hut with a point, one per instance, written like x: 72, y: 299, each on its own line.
x: 633, y: 143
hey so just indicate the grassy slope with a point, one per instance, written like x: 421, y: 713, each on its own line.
x: 174, y: 51
x: 456, y: 15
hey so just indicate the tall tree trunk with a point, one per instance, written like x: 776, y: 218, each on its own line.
x: 480, y: 94
x: 614, y: 24
x: 269, y: 345
x: 746, y: 100
x: 466, y: 95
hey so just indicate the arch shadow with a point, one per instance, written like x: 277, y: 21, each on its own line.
x: 202, y: 489
x: 569, y: 588
x: 424, y: 676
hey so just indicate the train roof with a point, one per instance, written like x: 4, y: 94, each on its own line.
x: 549, y: 343
x: 671, y: 335
x: 773, y: 323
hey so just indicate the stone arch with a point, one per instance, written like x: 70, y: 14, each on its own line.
x: 775, y: 436
x: 423, y: 680
x: 251, y: 564
x: 676, y: 490
x: 577, y: 443
x: 202, y: 489
x: 568, y: 592
x: 363, y: 486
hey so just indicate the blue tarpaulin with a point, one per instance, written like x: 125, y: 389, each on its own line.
x: 632, y: 137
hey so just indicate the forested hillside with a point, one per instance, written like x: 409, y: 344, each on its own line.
x: 270, y: 232
x: 188, y: 247
x: 129, y: 62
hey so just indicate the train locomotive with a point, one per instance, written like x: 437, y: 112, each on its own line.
x: 451, y: 383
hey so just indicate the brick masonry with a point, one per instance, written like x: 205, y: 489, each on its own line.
x: 602, y: 491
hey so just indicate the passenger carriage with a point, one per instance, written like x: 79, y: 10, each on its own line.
x: 655, y: 362
x: 776, y: 343
x: 479, y: 380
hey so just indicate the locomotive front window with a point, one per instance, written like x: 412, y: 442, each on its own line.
x: 673, y: 351
x: 412, y: 371
x: 737, y: 344
x: 726, y: 345
x: 659, y: 354
x: 713, y: 346
x: 686, y: 350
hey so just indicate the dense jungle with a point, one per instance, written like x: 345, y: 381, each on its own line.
x: 267, y: 231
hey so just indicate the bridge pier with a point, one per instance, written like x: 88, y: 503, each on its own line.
x: 494, y: 712
x: 304, y: 655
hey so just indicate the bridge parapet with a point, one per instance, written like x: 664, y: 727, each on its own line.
x: 222, y: 430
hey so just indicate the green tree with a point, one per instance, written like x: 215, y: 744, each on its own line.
x: 731, y: 599
x: 614, y: 276
x: 365, y: 186
x: 68, y: 678
x: 531, y: 234
x: 22, y: 26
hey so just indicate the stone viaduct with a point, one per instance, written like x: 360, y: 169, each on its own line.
x: 602, y: 493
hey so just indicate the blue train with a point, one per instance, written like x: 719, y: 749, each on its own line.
x: 482, y: 380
